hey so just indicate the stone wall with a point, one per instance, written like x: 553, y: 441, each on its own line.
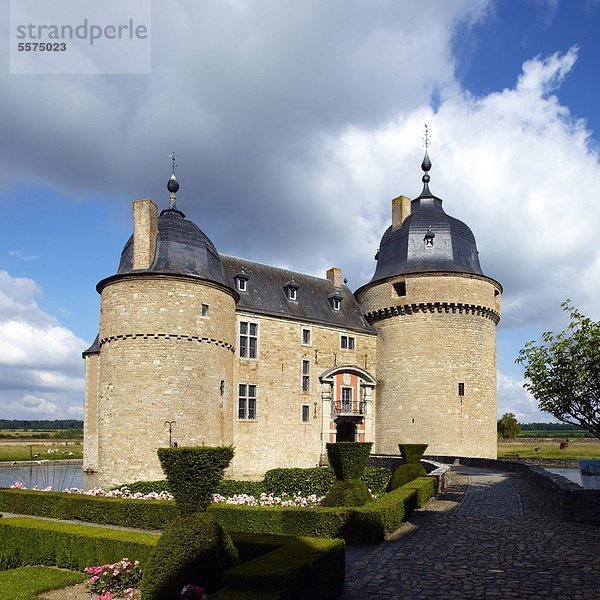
x: 161, y: 360
x: 438, y: 334
x: 278, y: 437
x: 90, y: 415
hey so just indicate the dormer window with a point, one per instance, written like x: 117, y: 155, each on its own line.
x: 335, y: 301
x: 241, y: 281
x: 428, y: 239
x: 291, y: 290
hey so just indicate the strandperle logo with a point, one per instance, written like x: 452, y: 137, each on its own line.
x: 85, y: 31
x: 80, y: 37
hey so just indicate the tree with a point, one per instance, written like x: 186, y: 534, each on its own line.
x: 563, y: 373
x: 508, y: 426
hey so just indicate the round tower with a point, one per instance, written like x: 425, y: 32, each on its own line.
x: 166, y: 346
x: 435, y: 313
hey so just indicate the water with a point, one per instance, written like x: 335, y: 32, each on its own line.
x: 572, y: 474
x: 59, y: 476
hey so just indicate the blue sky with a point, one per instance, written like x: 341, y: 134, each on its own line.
x: 295, y: 124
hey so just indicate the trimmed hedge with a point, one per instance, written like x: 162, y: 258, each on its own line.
x: 361, y: 525
x: 40, y: 542
x: 194, y: 473
x: 351, y: 492
x: 412, y: 453
x: 299, y: 568
x: 348, y: 459
x: 141, y: 514
x: 277, y: 567
x: 318, y: 480
x: 405, y: 474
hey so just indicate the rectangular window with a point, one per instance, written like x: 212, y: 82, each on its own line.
x: 461, y: 389
x: 305, y: 413
x: 305, y: 375
x: 248, y: 339
x: 306, y: 337
x: 246, y: 401
x: 205, y: 310
x: 346, y: 399
x: 347, y: 342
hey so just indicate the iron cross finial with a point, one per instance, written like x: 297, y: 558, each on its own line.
x: 173, y: 163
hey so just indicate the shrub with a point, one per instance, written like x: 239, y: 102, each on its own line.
x: 145, y: 487
x: 352, y: 492
x: 68, y: 545
x: 194, y: 549
x: 231, y: 487
x: 193, y: 474
x: 348, y: 459
x: 316, y: 480
x: 412, y: 453
x: 143, y: 514
x: 405, y: 474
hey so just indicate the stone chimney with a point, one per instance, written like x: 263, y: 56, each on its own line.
x: 335, y: 276
x: 400, y: 210
x: 145, y: 233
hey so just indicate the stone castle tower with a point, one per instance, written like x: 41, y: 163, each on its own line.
x: 435, y: 314
x: 159, y: 357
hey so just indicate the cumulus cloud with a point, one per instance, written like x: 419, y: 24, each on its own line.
x: 514, y: 398
x: 40, y: 360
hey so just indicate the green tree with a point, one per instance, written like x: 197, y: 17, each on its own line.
x: 563, y: 372
x: 508, y: 426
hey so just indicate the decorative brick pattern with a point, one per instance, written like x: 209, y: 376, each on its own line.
x: 446, y: 307
x: 167, y: 336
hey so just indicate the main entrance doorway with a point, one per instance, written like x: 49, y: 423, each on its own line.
x: 345, y: 431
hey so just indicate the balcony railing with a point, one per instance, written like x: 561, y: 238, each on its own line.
x: 348, y: 409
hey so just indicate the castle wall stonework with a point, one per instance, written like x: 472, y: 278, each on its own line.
x: 90, y: 415
x: 160, y: 360
x: 278, y: 437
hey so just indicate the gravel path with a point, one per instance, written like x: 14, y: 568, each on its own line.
x: 490, y: 535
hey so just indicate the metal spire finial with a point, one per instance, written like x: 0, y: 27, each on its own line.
x: 426, y: 164
x: 172, y: 184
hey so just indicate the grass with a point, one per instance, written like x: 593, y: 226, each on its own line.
x: 11, y: 452
x: 575, y: 450
x: 25, y: 583
x: 551, y: 433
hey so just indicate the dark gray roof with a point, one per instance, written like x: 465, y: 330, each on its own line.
x: 265, y: 294
x: 403, y: 250
x: 182, y: 249
x: 94, y: 348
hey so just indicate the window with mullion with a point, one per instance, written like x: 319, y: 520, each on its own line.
x: 248, y: 347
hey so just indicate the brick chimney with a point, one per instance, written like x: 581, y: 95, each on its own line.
x: 335, y: 276
x: 400, y: 210
x: 145, y: 233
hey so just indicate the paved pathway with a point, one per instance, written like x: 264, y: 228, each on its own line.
x: 489, y: 535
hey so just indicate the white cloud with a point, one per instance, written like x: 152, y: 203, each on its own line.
x: 40, y: 361
x: 22, y: 255
x: 514, y: 398
x: 36, y: 405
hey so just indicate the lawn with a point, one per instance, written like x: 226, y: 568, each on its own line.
x: 25, y: 583
x: 11, y: 452
x: 575, y: 450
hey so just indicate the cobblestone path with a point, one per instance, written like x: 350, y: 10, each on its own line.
x: 489, y: 535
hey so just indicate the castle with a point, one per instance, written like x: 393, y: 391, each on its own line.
x: 199, y: 348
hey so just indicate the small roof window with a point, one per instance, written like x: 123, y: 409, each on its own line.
x: 335, y: 301
x: 291, y: 290
x: 241, y: 281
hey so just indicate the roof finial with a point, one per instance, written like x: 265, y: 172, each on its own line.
x: 426, y: 164
x: 172, y: 184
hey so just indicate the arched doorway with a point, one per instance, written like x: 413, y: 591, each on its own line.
x: 345, y: 431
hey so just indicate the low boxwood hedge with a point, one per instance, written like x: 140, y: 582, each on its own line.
x: 226, y: 487
x: 276, y: 567
x: 141, y: 514
x: 41, y: 542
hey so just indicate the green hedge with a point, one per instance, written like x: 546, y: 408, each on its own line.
x: 40, y: 542
x: 226, y: 487
x: 412, y: 453
x: 276, y: 567
x: 142, y: 514
x: 348, y: 459
x: 297, y: 569
x: 362, y: 525
x: 194, y: 473
x: 318, y: 480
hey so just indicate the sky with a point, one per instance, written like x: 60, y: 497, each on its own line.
x: 295, y: 124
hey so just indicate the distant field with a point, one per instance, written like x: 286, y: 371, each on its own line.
x: 575, y: 450
x: 551, y: 433
x: 20, y: 434
x: 22, y: 451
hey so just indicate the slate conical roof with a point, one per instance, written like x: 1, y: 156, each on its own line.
x: 429, y: 240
